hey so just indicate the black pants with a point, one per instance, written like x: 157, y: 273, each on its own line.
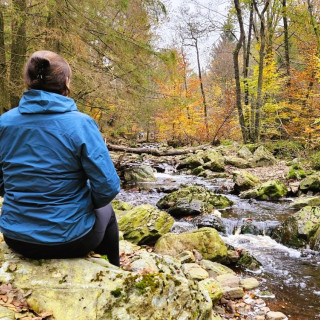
x: 103, y: 239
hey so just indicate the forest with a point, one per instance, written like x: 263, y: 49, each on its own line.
x: 261, y: 82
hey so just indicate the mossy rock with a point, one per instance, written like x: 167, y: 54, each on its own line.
x: 213, y: 288
x: 205, y: 240
x: 297, y: 231
x: 296, y: 172
x: 245, y: 153
x: 248, y: 261
x: 120, y: 207
x: 145, y: 224
x: 141, y: 173
x: 305, y: 201
x: 310, y: 183
x: 270, y: 190
x: 190, y: 162
x: 263, y: 157
x: 315, y: 241
x: 237, y: 162
x: 192, y: 200
x: 244, y: 180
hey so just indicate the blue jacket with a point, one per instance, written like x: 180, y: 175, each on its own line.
x: 54, y: 170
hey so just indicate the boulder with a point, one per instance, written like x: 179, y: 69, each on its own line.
x: 120, y: 207
x: 297, y: 231
x: 248, y: 262
x: 270, y: 190
x: 310, y: 183
x: 245, y: 153
x: 145, y: 224
x: 244, y: 180
x: 296, y: 172
x: 213, y: 160
x: 190, y: 162
x: 262, y: 157
x: 305, y: 201
x: 205, y: 240
x: 140, y: 173
x: 209, y: 220
x: 192, y: 200
x: 315, y: 241
x: 237, y: 162
x: 249, y: 283
x: 91, y: 288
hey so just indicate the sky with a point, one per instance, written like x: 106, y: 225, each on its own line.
x: 218, y: 10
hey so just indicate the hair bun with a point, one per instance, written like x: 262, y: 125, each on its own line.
x: 40, y: 66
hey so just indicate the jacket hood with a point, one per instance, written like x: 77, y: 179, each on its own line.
x: 39, y: 101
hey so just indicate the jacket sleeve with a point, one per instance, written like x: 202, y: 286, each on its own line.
x: 98, y: 166
x: 1, y: 182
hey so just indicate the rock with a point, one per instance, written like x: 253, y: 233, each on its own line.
x: 233, y: 293
x: 205, y: 240
x: 276, y: 316
x: 193, y: 271
x: 249, y: 283
x: 145, y: 264
x: 244, y: 153
x: 145, y: 224
x: 120, y: 207
x: 315, y: 241
x: 244, y: 181
x: 298, y: 230
x: 270, y: 190
x: 249, y: 228
x: 228, y: 280
x: 263, y: 157
x: 127, y: 248
x: 296, y: 172
x: 141, y: 173
x: 237, y: 162
x: 305, y: 201
x: 209, y: 220
x: 192, y: 200
x: 212, y: 287
x: 310, y: 183
x: 190, y: 162
x: 247, y: 261
x: 91, y: 288
x: 186, y: 257
x: 215, y: 269
x: 198, y: 171
x: 6, y: 314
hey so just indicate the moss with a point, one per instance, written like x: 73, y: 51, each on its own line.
x: 315, y: 161
x: 116, y: 293
x: 105, y: 257
x: 147, y: 281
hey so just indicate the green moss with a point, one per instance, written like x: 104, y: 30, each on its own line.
x: 147, y: 281
x: 116, y: 293
x: 105, y: 257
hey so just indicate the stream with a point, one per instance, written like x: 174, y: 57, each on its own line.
x: 293, y: 276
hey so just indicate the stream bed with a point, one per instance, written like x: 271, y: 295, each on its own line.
x: 293, y: 276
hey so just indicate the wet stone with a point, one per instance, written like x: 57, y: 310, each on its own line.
x: 276, y: 316
x: 249, y: 283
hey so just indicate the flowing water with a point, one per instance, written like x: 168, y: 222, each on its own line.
x: 293, y: 276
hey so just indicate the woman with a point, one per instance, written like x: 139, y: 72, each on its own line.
x: 56, y: 175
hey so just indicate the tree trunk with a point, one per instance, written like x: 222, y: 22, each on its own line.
x: 205, y: 108
x: 286, y: 40
x: 237, y: 72
x: 317, y: 34
x: 3, y: 67
x: 18, y: 50
x: 156, y: 152
x: 259, y: 103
